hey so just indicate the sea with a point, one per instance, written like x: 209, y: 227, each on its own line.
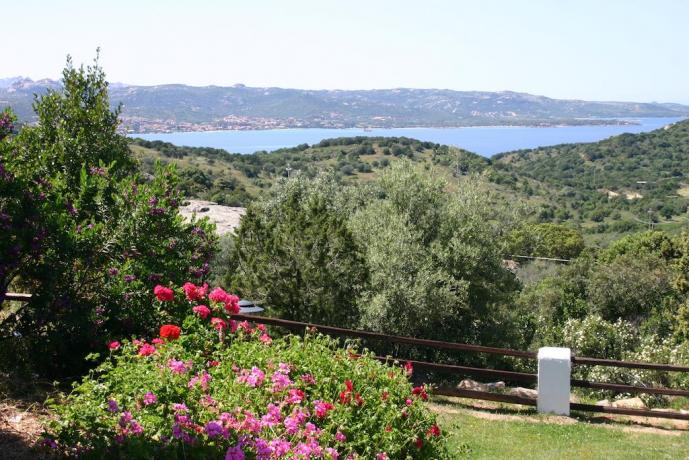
x: 486, y: 141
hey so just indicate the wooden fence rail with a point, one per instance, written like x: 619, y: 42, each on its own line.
x: 490, y: 373
x: 507, y: 375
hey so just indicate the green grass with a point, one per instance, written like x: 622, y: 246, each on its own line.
x: 536, y: 438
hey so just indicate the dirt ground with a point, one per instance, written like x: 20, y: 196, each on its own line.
x: 509, y: 412
x: 21, y: 425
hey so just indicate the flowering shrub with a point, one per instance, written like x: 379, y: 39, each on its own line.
x: 218, y: 388
x: 84, y: 233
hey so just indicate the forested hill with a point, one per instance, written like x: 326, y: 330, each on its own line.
x: 617, y: 163
x: 182, y: 107
x: 236, y: 179
x: 644, y: 173
x: 615, y: 185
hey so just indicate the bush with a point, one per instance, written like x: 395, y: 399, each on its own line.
x: 220, y: 388
x: 83, y: 232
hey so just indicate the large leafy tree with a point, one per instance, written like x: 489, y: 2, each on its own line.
x: 85, y: 234
x: 435, y: 258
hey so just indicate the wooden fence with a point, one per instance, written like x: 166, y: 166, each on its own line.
x: 511, y: 376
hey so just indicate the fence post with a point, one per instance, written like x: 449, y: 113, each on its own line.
x: 554, y: 369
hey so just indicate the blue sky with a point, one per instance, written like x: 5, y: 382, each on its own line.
x: 598, y: 50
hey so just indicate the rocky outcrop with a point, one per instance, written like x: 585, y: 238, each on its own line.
x: 225, y: 218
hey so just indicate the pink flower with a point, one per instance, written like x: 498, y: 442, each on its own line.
x: 180, y: 407
x: 219, y: 323
x: 194, y: 292
x: 340, y: 437
x: 296, y: 396
x: 246, y: 327
x: 273, y: 416
x: 150, y: 398
x: 179, y: 367
x: 163, y: 294
x: 280, y: 382
x: 146, y: 350
x: 114, y: 345
x: 232, y: 304
x: 253, y: 378
x: 202, y: 379
x: 218, y: 295
x: 202, y: 310
x: 280, y: 447
x: 157, y: 341
x: 265, y: 339
x: 382, y: 456
x: 408, y: 368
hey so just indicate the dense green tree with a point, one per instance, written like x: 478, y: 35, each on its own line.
x: 546, y: 240
x: 295, y: 253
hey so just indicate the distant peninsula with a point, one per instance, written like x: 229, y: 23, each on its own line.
x: 176, y: 107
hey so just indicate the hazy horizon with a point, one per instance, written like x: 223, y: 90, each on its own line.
x: 353, y: 89
x: 586, y: 50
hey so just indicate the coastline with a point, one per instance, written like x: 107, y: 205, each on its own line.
x: 369, y: 128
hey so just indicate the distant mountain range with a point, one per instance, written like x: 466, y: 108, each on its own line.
x: 177, y: 107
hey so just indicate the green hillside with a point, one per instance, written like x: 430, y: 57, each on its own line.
x: 614, y: 186
x: 235, y: 179
x: 616, y: 183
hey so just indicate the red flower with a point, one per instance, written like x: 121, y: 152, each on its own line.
x: 170, y: 332
x: 359, y: 400
x: 114, y: 345
x: 163, y: 294
x: 194, y: 292
x: 433, y: 431
x: 345, y: 397
x: 385, y: 396
x: 418, y: 443
x: 420, y: 391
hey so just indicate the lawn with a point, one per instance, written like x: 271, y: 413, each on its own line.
x: 504, y: 433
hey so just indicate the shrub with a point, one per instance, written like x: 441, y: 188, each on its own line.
x: 223, y: 388
x: 83, y: 232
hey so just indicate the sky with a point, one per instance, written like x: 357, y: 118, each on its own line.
x: 628, y: 50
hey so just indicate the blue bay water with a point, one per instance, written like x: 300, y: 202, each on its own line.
x: 486, y: 141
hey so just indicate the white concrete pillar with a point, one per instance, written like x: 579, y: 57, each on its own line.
x: 554, y: 368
